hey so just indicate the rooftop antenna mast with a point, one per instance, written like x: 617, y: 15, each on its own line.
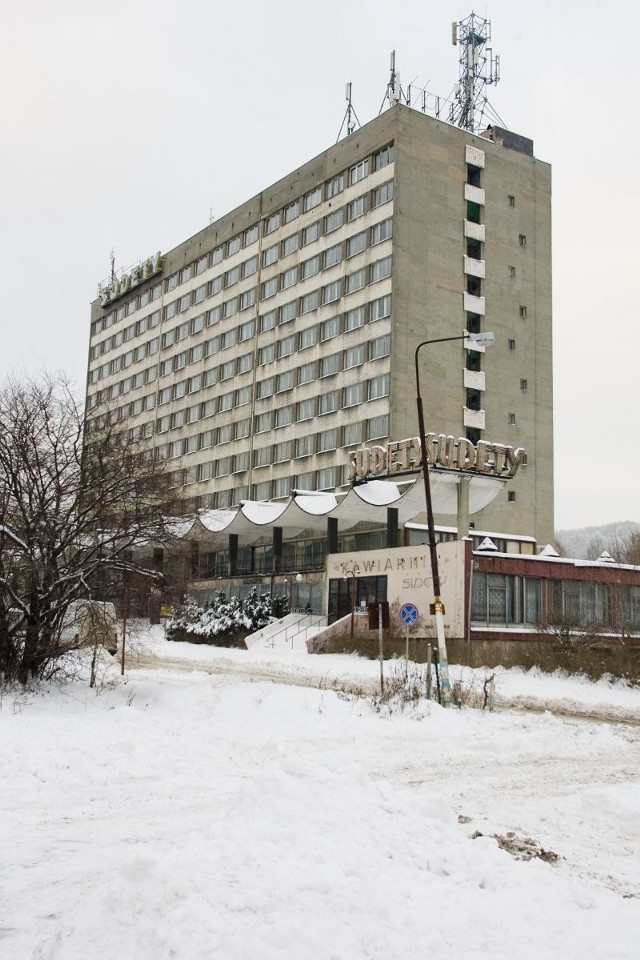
x: 349, y: 116
x: 112, y: 257
x: 478, y: 68
x: 394, y: 93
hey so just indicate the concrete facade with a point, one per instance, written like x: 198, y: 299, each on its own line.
x: 256, y: 354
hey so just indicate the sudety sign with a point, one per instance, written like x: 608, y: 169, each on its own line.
x: 491, y: 459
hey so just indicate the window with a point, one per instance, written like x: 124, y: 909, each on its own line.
x: 352, y: 434
x: 307, y: 338
x: 327, y: 478
x: 379, y: 387
x: 381, y: 269
x: 206, y: 439
x: 329, y: 329
x: 208, y: 408
x: 217, y: 256
x: 195, y: 383
x: 263, y: 422
x: 304, y: 446
x: 270, y: 255
x: 283, y: 417
x: 197, y: 324
x: 511, y: 496
x: 380, y: 347
x: 511, y: 344
x: 334, y: 186
x: 353, y: 319
x: 353, y: 395
x: 356, y: 244
x: 332, y: 256
x: 269, y: 288
x: 215, y: 286
x: 382, y: 194
x: 287, y: 312
x: 250, y: 235
x: 523, y: 311
x: 289, y: 278
x: 247, y: 299
x: 242, y: 429
x: 282, y: 452
x: 312, y: 199
x: 268, y: 320
x: 212, y: 346
x: 306, y: 409
x: 383, y: 157
x: 249, y: 267
x: 309, y: 302
x: 511, y: 418
x: 382, y: 231
x: 330, y: 365
x: 328, y: 403
x: 511, y: 199
x: 356, y: 281
x: 262, y: 457
x: 285, y: 381
x: 524, y: 385
x: 169, y: 311
x: 290, y: 245
x: 380, y: 308
x: 241, y: 462
x: 378, y: 427
x: 214, y: 316
x: 359, y: 171
x: 287, y: 346
x: 307, y: 373
x: 243, y: 395
x: 327, y: 440
x: 334, y: 220
x: 331, y: 292
x: 172, y: 282
x: 356, y: 208
x: 232, y: 276
x: 267, y: 354
x: 522, y: 240
x: 281, y: 487
x: 354, y: 356
x: 229, y: 338
x: 223, y: 466
x: 227, y: 370
x: 210, y: 377
x: 310, y: 267
x: 310, y: 233
x: 226, y: 402
x: 246, y: 330
x: 271, y: 223
x: 233, y: 246
x: 230, y: 307
x: 511, y: 271
x: 291, y: 211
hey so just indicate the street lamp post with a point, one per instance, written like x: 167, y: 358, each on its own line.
x: 438, y: 608
x: 294, y: 575
x: 353, y: 575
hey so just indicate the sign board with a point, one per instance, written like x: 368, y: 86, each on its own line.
x: 409, y: 613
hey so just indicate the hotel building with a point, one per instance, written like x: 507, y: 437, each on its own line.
x: 256, y: 354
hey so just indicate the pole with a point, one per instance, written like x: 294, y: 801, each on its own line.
x: 429, y: 656
x: 125, y: 614
x: 380, y: 648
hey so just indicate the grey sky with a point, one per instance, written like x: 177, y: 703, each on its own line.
x: 124, y: 124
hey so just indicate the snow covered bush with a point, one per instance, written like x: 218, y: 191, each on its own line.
x: 224, y: 623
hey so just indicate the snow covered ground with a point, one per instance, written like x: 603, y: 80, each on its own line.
x: 225, y: 803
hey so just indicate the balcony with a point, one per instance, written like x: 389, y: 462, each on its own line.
x: 473, y: 304
x: 475, y: 268
x: 474, y: 194
x: 474, y: 379
x: 473, y: 418
x: 475, y: 231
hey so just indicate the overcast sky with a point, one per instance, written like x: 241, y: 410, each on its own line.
x: 126, y: 125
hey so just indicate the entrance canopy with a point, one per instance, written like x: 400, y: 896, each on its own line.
x: 307, y: 511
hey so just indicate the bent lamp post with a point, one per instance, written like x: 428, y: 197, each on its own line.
x: 486, y: 339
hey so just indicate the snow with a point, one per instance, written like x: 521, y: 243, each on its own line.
x: 214, y: 803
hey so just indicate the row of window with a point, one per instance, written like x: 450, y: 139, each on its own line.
x: 342, y: 323
x: 332, y: 188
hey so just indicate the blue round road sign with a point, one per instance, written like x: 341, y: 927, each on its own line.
x: 409, y: 613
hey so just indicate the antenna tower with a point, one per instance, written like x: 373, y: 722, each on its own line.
x: 349, y: 115
x: 478, y: 68
x: 394, y: 92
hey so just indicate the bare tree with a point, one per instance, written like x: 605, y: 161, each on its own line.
x: 74, y: 504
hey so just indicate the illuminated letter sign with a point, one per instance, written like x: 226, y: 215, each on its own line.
x: 117, y: 288
x: 442, y: 451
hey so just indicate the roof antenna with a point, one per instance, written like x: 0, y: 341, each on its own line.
x: 478, y: 68
x: 112, y: 257
x: 349, y: 116
x: 394, y: 93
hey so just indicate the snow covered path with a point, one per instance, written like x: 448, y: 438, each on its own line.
x: 194, y: 815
